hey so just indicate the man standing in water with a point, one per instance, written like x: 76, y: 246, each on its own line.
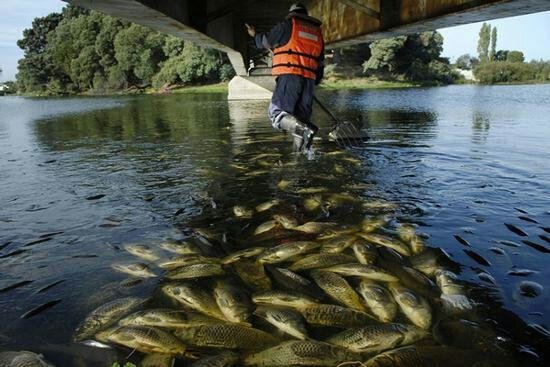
x: 298, y: 63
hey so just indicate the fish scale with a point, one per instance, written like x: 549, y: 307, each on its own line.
x: 338, y: 289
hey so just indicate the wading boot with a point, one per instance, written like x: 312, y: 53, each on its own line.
x: 302, y: 133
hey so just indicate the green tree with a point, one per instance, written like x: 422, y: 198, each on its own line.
x: 483, y: 42
x: 493, y: 44
x: 501, y: 55
x: 515, y: 56
x: 466, y: 62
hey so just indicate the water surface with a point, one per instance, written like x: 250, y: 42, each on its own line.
x: 81, y: 177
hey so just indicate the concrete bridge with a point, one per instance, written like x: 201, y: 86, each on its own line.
x: 219, y: 24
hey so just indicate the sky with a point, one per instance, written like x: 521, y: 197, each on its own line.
x: 528, y: 33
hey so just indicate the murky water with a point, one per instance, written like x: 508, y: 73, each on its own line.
x: 81, y: 177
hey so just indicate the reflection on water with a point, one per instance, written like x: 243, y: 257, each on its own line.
x: 83, y: 177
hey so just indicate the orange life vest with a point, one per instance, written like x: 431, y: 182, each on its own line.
x: 300, y: 55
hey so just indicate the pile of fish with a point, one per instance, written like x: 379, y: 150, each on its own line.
x: 306, y: 294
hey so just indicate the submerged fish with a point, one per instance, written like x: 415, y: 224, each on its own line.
x: 266, y: 226
x: 313, y: 203
x: 196, y: 271
x: 413, y: 306
x: 285, y: 319
x: 232, y: 301
x: 379, y: 300
x: 407, y: 233
x: 384, y: 241
x: 164, y: 317
x: 22, y: 358
x: 139, y: 270
x: 377, y: 338
x: 226, y: 336
x: 142, y: 251
x: 287, y: 299
x: 321, y: 260
x: 363, y: 271
x: 242, y: 254
x: 335, y: 316
x: 267, y: 205
x: 242, y: 212
x: 452, y: 294
x: 284, y: 184
x: 338, y: 289
x: 312, y: 190
x: 145, y: 339
x: 195, y: 298
x: 301, y: 353
x: 105, y: 316
x: 287, y: 251
x: 181, y: 248
x: 315, y: 227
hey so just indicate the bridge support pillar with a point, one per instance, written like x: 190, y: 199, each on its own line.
x: 251, y: 87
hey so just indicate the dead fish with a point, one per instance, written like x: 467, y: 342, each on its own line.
x: 413, y: 306
x: 300, y: 353
x: 166, y: 318
x: 516, y: 230
x: 313, y: 203
x: 106, y: 315
x: 384, y: 241
x: 145, y: 339
x: 139, y: 270
x: 286, y: 221
x: 266, y: 226
x: 226, y: 336
x: 365, y: 253
x: 195, y: 271
x: 377, y: 338
x: 338, y: 244
x: 462, y: 241
x: 379, y: 205
x: 267, y: 205
x: 338, y: 289
x: 142, y: 251
x: 477, y: 257
x: 452, y: 294
x: 284, y: 319
x: 284, y: 298
x: 284, y: 184
x: 194, y: 297
x: 253, y: 275
x: 185, y: 260
x: 292, y: 281
x: 335, y: 316
x: 243, y: 254
x: 39, y: 309
x: 242, y: 212
x: 379, y: 300
x: 287, y: 251
x: 363, y: 271
x: 232, y: 301
x: 315, y: 227
x: 321, y: 260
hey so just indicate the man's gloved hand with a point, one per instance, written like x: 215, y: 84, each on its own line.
x: 251, y: 30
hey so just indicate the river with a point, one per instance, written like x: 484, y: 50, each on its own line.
x: 81, y: 177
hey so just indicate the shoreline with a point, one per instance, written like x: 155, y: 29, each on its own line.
x: 340, y: 84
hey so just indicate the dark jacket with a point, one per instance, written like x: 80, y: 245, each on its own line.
x: 279, y: 35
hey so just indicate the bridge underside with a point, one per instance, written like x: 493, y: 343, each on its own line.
x: 219, y: 24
